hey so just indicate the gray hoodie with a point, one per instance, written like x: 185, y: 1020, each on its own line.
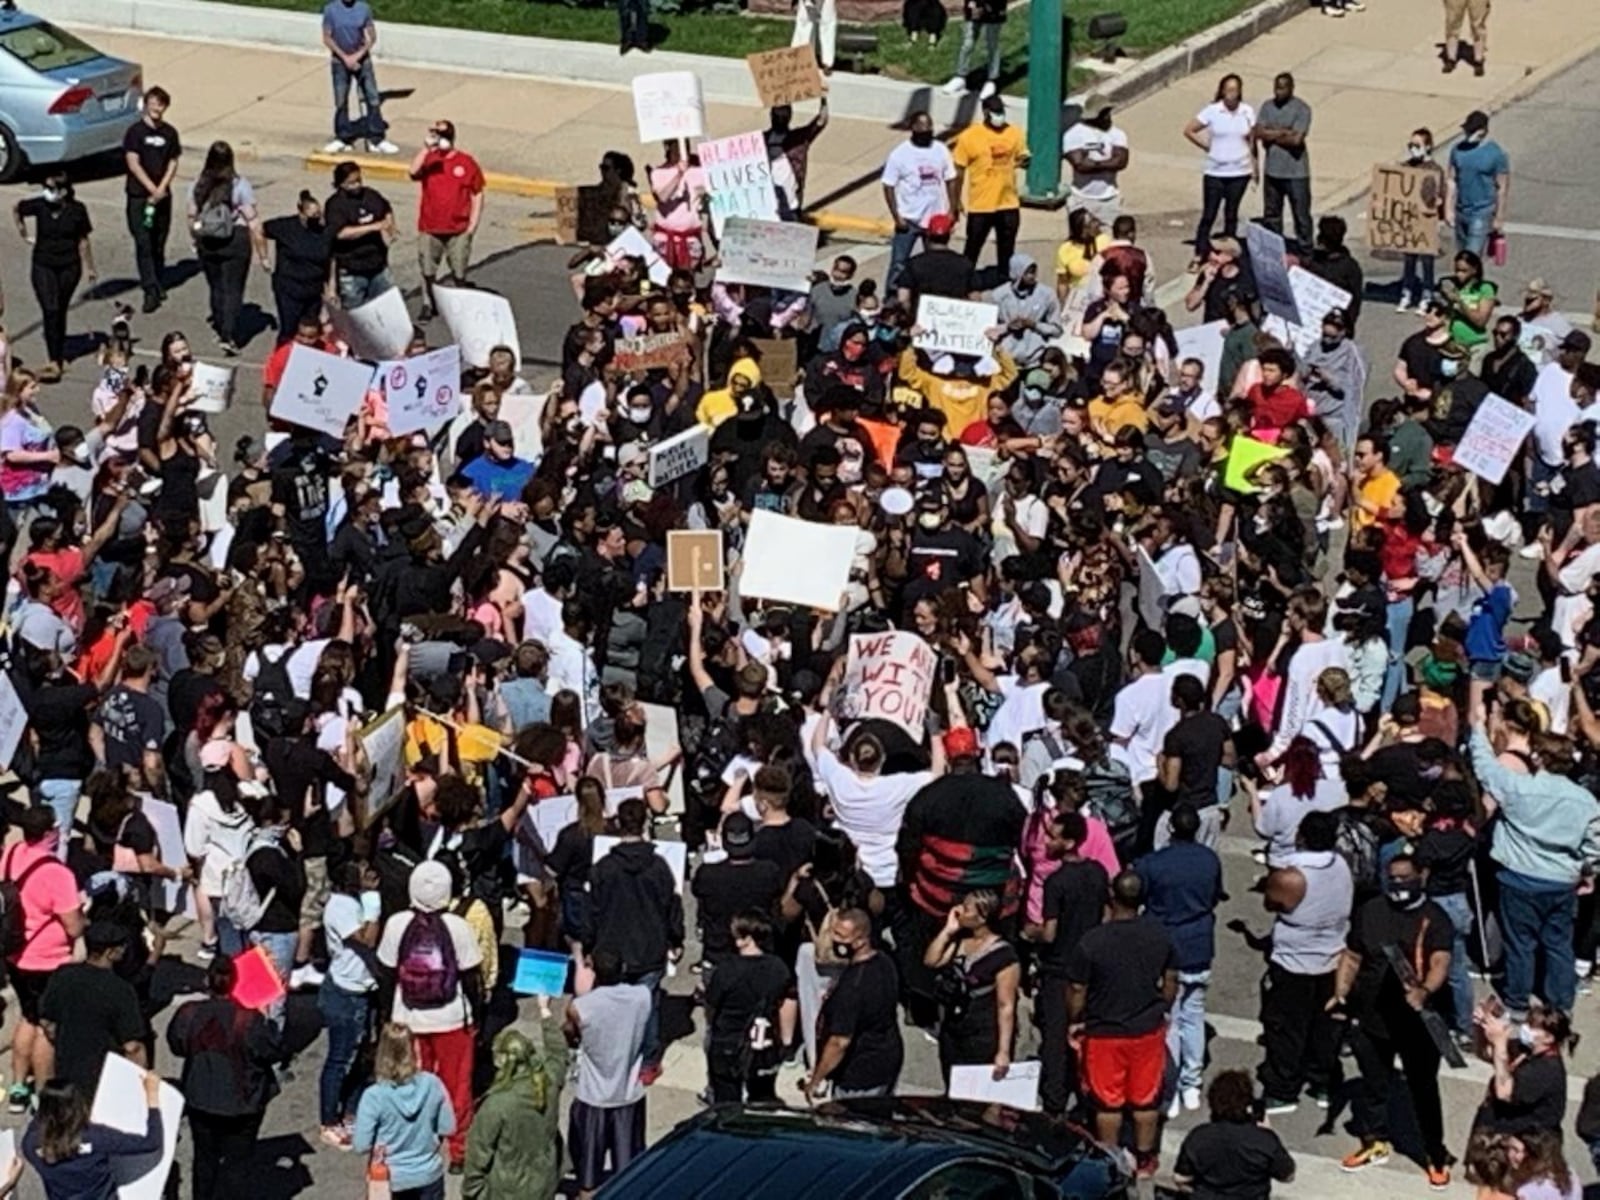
x: 1039, y: 304
x: 1335, y: 394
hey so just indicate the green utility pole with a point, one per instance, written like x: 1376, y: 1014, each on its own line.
x: 1047, y: 57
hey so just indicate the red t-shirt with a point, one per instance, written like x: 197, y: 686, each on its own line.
x: 67, y: 565
x: 450, y: 179
x: 278, y: 360
x: 1276, y: 410
x: 1399, y: 552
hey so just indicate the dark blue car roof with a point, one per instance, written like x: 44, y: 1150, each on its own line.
x: 858, y: 1150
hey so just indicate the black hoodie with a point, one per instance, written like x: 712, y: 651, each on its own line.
x: 635, y: 911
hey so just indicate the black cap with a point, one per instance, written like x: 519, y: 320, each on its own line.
x: 738, y: 832
x: 1477, y: 120
x: 104, y: 935
x: 1577, y: 341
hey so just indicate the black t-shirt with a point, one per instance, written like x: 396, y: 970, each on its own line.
x: 743, y: 988
x: 940, y: 271
x: 275, y: 870
x: 788, y: 845
x: 59, y: 714
x: 303, y: 252
x: 864, y: 1006
x: 939, y: 560
x: 1225, y: 636
x: 1377, y: 999
x: 1074, y: 898
x: 570, y: 857
x: 723, y: 890
x: 1229, y: 1160
x: 95, y: 1013
x: 1138, y: 477
x: 133, y: 723
x: 1222, y: 287
x: 1197, y: 741
x: 369, y: 253
x: 1446, y: 853
x: 157, y: 147
x: 1421, y: 358
x: 1398, y: 767
x: 1580, y: 487
x: 1538, y: 1098
x: 1121, y: 965
x: 301, y: 773
x: 301, y: 486
x: 58, y: 229
x: 187, y: 690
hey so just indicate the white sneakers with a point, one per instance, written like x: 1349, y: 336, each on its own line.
x: 381, y: 146
x: 338, y: 146
x: 1405, y: 302
x: 1191, y: 1099
x: 304, y: 977
x: 956, y: 87
x: 385, y: 146
x: 987, y: 90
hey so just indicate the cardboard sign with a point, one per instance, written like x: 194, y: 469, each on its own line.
x: 694, y: 560
x: 422, y: 392
x: 638, y: 354
x: 258, y: 984
x: 1270, y: 264
x: 176, y: 896
x: 955, y: 326
x: 478, y: 322
x: 1493, y: 438
x: 780, y: 365
x: 1245, y: 454
x: 540, y: 973
x: 679, y: 455
x: 211, y: 388
x: 785, y: 76
x: 383, y: 742
x: 1403, y: 209
x: 774, y: 254
x: 668, y: 105
x: 889, y: 676
x: 581, y: 215
x: 630, y: 243
x: 676, y: 855
x: 797, y: 562
x: 1313, y: 296
x: 738, y: 178
x: 380, y: 328
x: 119, y: 1103
x: 13, y: 721
x: 320, y: 391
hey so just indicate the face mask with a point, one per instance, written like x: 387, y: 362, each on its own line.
x: 1023, y: 289
x: 1408, y: 895
x: 443, y: 143
x: 844, y: 950
x: 1331, y: 343
x: 1477, y: 137
x: 928, y: 520
x: 1416, y: 153
x: 886, y: 333
x: 640, y: 415
x: 922, y: 138
x: 852, y: 351
x: 1033, y: 395
x: 681, y: 300
x: 54, y: 195
x: 614, y: 229
x: 839, y: 289
x: 1449, y: 367
x: 1527, y: 1035
x: 995, y: 120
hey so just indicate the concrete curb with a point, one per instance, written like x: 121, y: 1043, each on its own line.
x: 1200, y: 51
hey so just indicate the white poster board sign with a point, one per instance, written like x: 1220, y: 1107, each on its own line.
x: 775, y: 254
x: 668, y: 105
x: 211, y: 388
x: 1205, y: 343
x: 422, y: 392
x: 889, y: 676
x: 13, y: 721
x: 1313, y: 296
x: 320, y: 391
x: 478, y: 322
x: 176, y: 896
x: 380, y: 328
x: 120, y: 1104
x: 630, y: 243
x: 1151, y: 609
x: 676, y: 855
x: 384, y: 742
x: 679, y: 455
x: 1493, y: 438
x: 1269, y: 263
x: 796, y: 562
x: 739, y: 178
x: 955, y: 326
x: 1019, y: 1089
x: 213, y: 489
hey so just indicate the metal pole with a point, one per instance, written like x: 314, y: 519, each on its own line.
x: 1047, y: 51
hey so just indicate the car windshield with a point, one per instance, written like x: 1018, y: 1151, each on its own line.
x: 46, y: 48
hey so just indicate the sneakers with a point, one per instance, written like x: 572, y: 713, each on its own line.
x: 956, y: 87
x: 1354, y: 6
x: 338, y: 146
x: 1319, y: 1098
x: 1274, y: 1107
x: 1404, y: 304
x: 1191, y: 1099
x: 1174, y: 1108
x: 207, y: 951
x: 1329, y: 11
x: 1438, y: 1179
x: 19, y: 1099
x: 337, y: 1136
x: 987, y: 90
x: 1533, y: 550
x: 50, y: 373
x: 1374, y: 1154
x: 384, y: 146
x: 1146, y: 1164
x: 304, y: 977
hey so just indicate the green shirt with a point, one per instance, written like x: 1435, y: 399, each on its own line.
x: 1462, y: 333
x: 1411, y: 453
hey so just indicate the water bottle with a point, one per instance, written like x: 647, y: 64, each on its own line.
x: 149, y: 213
x: 378, y: 1183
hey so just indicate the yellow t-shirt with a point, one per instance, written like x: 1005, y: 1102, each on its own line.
x: 715, y: 408
x: 990, y: 158
x: 1381, y: 490
x: 1112, y: 415
x: 1072, y: 261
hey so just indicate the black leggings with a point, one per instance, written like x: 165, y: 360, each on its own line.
x: 54, y: 287
x: 1224, y: 192
x: 227, y: 266
x: 293, y: 303
x: 1005, y: 224
x: 224, y: 1148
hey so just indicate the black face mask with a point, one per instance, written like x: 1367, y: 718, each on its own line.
x: 922, y: 138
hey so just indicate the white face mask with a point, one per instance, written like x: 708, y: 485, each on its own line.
x: 1527, y: 1035
x: 928, y: 520
x: 640, y: 415
x: 54, y: 195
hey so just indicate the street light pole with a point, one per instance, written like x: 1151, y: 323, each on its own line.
x: 1047, y: 59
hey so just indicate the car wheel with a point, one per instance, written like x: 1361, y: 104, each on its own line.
x: 11, y: 157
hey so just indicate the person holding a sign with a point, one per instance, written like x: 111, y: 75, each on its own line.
x: 1416, y: 270
x: 76, y: 1158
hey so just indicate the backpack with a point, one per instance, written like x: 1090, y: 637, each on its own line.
x: 215, y: 220
x: 1108, y: 794
x: 269, y: 704
x: 427, y: 973
x: 241, y: 903
x: 14, y: 937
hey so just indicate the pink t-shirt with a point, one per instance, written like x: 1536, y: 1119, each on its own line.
x: 50, y: 892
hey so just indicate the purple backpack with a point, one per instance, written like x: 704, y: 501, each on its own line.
x: 428, y: 974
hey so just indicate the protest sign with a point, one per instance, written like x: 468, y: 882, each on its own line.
x: 738, y: 179
x: 1019, y: 1089
x: 581, y: 214
x: 478, y: 322
x: 668, y: 105
x: 636, y: 354
x: 662, y: 743
x: 630, y: 243
x: 213, y: 489
x: 694, y: 560
x: 797, y: 562
x: 955, y: 326
x: 1313, y: 296
x: 775, y: 254
x: 540, y: 973
x: 1403, y: 209
x: 679, y: 455
x: 1245, y: 454
x: 1493, y: 438
x: 257, y: 983
x: 8, y: 1152
x: 1270, y: 265
x: 319, y: 390
x: 119, y: 1103
x: 383, y: 742
x: 380, y: 328
x: 1205, y: 343
x: 211, y: 388
x: 1151, y: 610
x: 785, y: 76
x: 675, y: 854
x: 13, y: 721
x: 780, y: 364
x: 176, y: 896
x: 889, y: 676
x: 423, y: 391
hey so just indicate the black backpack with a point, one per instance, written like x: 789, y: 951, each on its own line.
x: 273, y: 696
x: 13, y: 924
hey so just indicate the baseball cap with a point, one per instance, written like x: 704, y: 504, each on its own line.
x: 1336, y: 316
x: 929, y: 500
x: 1094, y: 104
x: 1520, y: 666
x: 1038, y: 378
x: 738, y: 832
x: 1538, y: 287
x: 1476, y: 120
x: 940, y: 224
x: 498, y: 431
x: 1577, y: 341
x: 961, y: 743
x: 1228, y: 245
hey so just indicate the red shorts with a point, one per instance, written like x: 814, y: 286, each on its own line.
x: 1125, y: 1072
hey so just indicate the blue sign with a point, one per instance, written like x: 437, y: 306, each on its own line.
x: 540, y: 973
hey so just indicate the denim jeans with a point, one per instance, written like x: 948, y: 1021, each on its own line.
x: 652, y: 1029
x: 372, y: 126
x: 1394, y: 676
x: 1416, y: 276
x: 1535, y: 918
x: 1186, y: 1027
x: 62, y: 796
x: 1460, y: 910
x: 345, y: 1016
x: 280, y: 949
x: 356, y: 290
x: 1224, y: 193
x: 634, y: 18
x: 230, y: 940
x: 969, y: 42
x: 1472, y: 229
x: 900, y: 247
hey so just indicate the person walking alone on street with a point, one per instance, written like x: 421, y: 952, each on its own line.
x: 150, y: 151
x: 350, y: 35
x: 226, y: 226
x: 450, y: 207
x: 1281, y: 126
x: 61, y: 257
x: 1474, y: 13
x: 1480, y: 177
x: 1223, y: 129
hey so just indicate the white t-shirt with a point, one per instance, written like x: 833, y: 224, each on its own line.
x: 1021, y: 711
x: 455, y: 1015
x: 1301, y: 704
x: 1229, y: 156
x: 870, y: 811
x: 541, y: 615
x: 1554, y: 411
x: 918, y: 175
x: 340, y: 919
x: 1142, y: 717
x: 1099, y: 144
x: 1573, y: 607
x: 1179, y: 569
x: 1550, y: 690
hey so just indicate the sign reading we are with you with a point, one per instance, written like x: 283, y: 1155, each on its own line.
x: 889, y: 676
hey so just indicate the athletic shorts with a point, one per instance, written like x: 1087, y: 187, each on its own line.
x: 593, y: 1133
x: 29, y: 986
x: 1125, y: 1072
